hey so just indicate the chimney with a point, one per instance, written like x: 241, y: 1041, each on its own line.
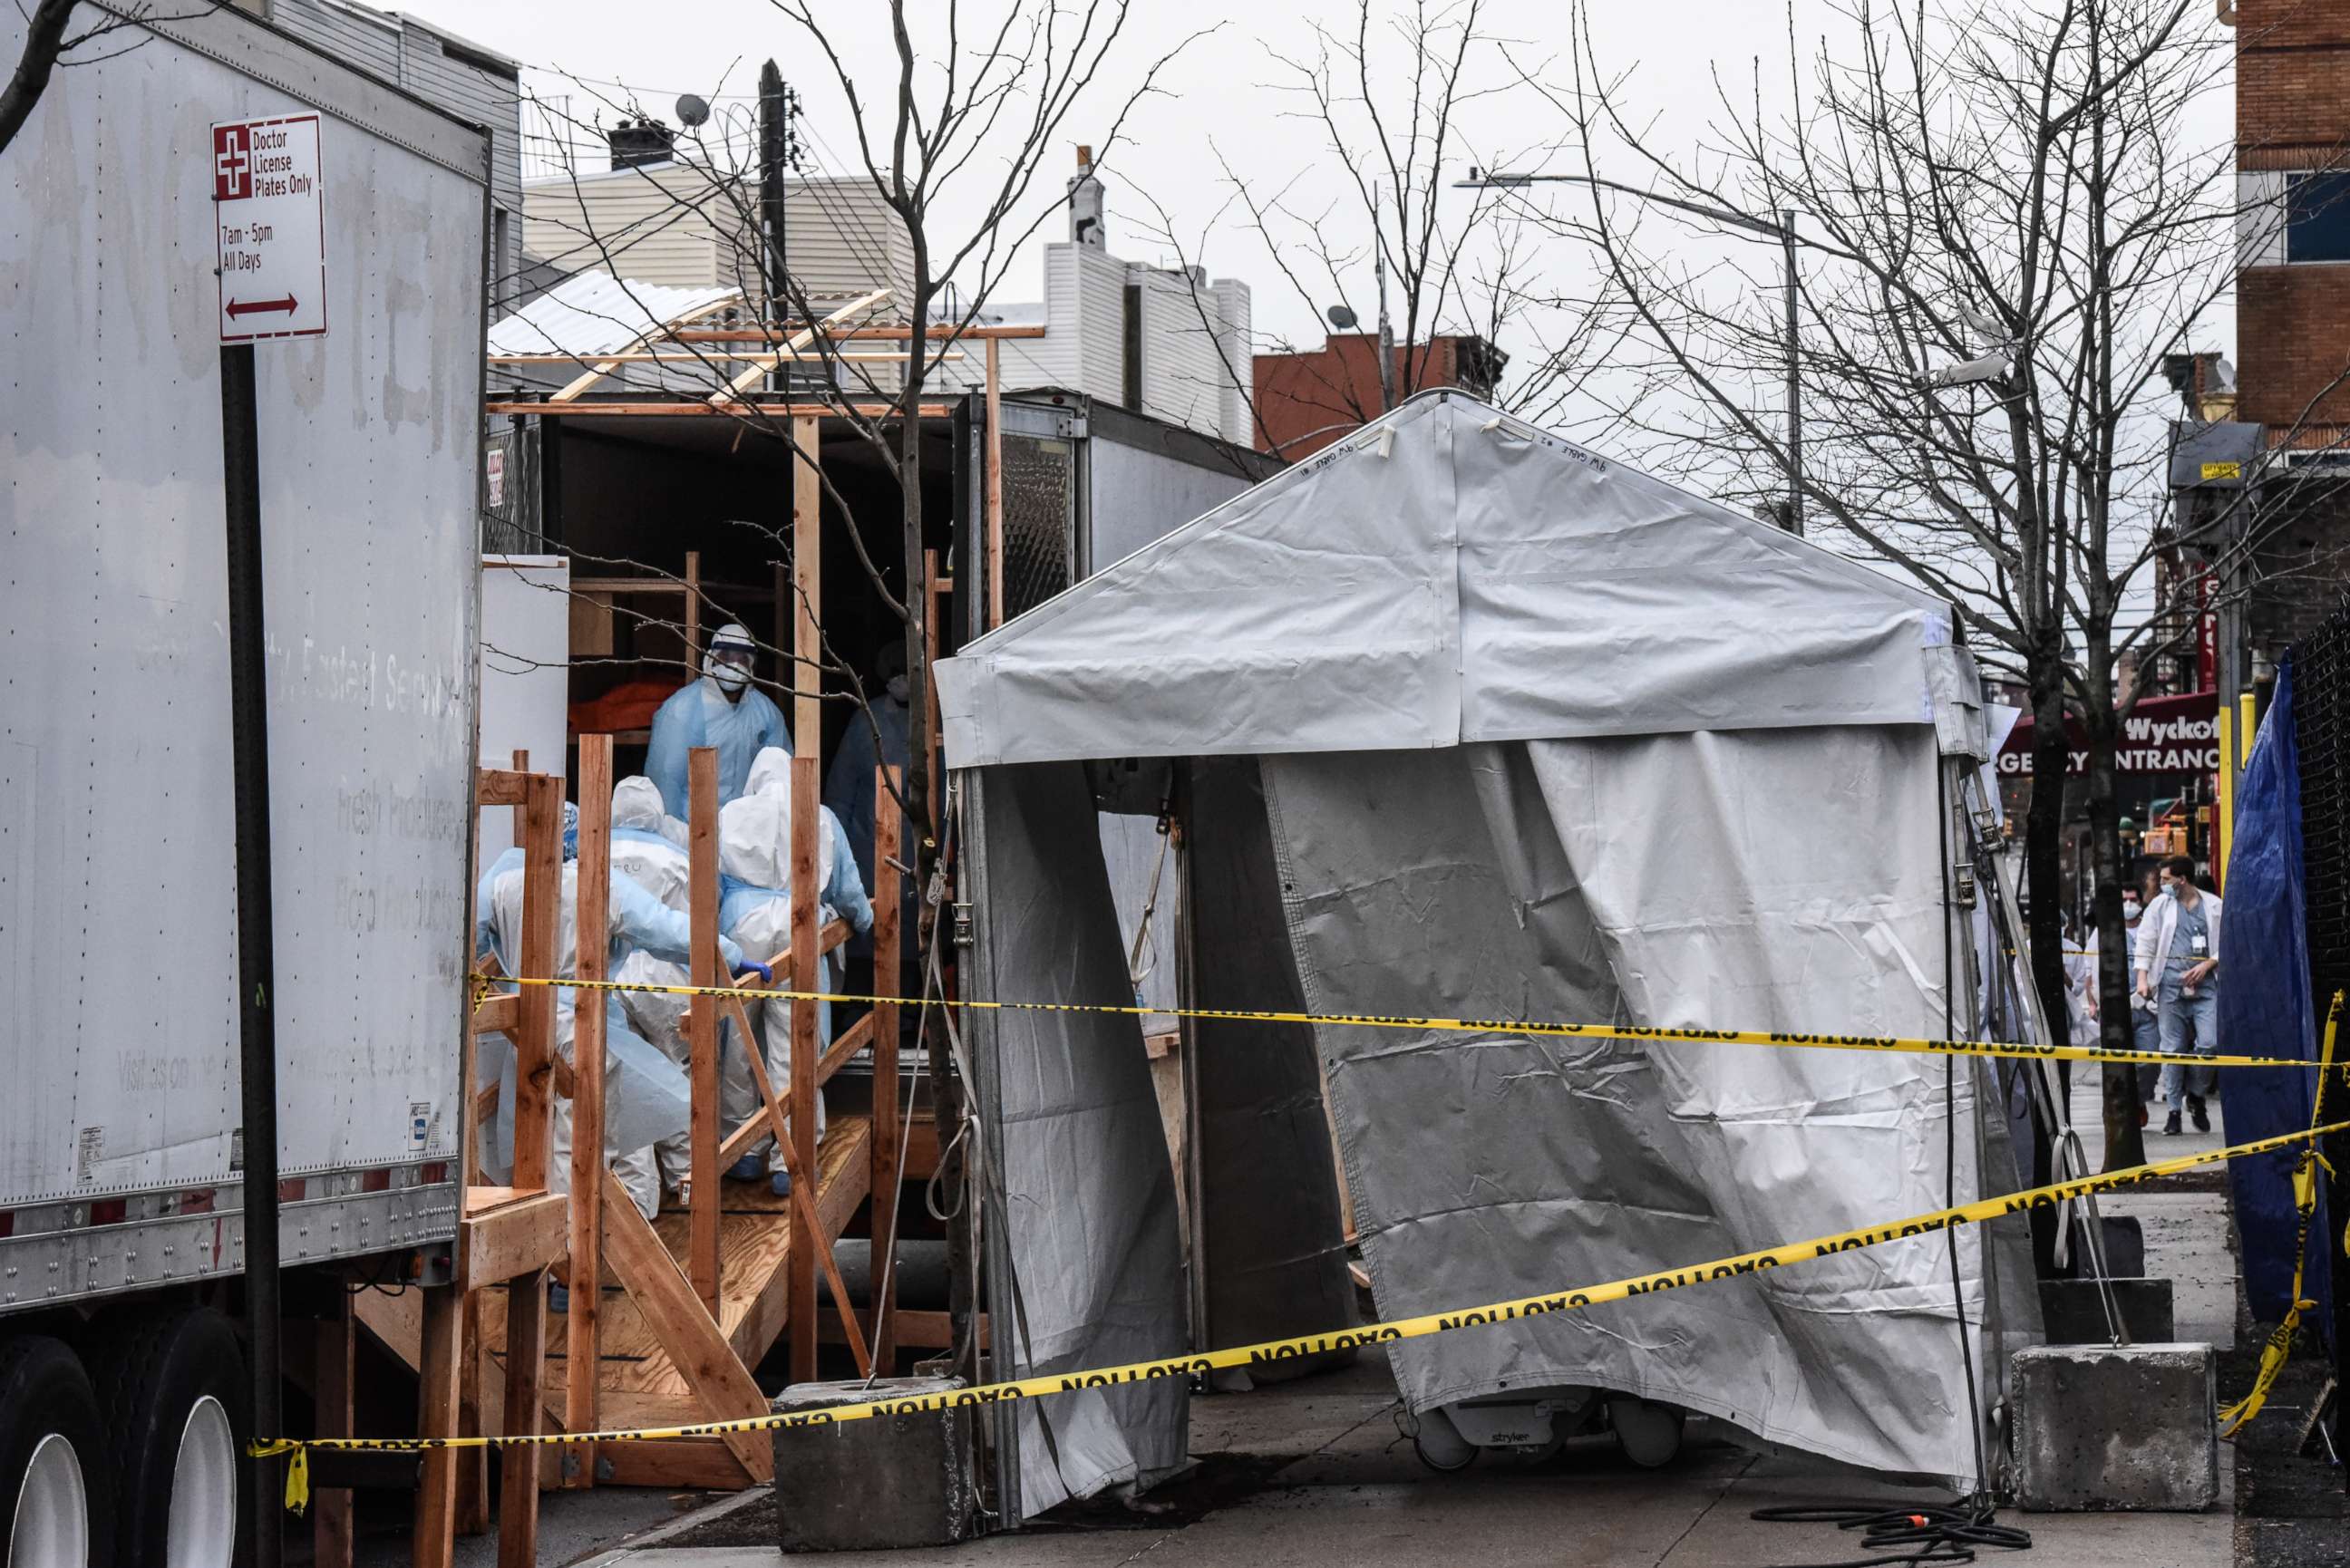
x: 1085, y: 203
x: 636, y: 142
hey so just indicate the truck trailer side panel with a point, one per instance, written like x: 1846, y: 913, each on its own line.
x: 120, y: 1147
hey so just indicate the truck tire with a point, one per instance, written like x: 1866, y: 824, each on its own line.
x: 173, y: 1389
x: 57, y: 1482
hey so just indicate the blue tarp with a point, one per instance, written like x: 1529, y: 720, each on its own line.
x: 2265, y: 1010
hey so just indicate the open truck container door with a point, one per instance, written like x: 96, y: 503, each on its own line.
x: 122, y: 1213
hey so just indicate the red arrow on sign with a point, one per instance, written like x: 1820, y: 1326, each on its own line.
x: 250, y: 306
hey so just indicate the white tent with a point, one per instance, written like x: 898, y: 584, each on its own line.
x: 1464, y: 720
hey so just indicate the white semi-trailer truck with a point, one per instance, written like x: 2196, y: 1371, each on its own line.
x: 128, y: 1329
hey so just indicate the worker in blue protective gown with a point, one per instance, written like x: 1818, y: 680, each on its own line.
x: 645, y: 1094
x: 754, y: 852
x: 876, y: 737
x: 721, y: 709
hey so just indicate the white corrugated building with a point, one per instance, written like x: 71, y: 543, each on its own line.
x: 1167, y: 342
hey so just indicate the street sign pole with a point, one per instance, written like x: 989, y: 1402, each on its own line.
x: 269, y: 218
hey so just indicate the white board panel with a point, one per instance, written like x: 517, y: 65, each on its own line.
x: 526, y: 674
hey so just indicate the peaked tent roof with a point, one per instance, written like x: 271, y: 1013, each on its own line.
x: 1450, y: 574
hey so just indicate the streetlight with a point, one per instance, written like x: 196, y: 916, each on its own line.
x: 1783, y: 230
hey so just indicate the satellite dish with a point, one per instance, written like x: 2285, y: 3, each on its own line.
x: 692, y: 110
x: 1341, y: 317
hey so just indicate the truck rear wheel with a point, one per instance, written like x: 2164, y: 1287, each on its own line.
x: 56, y: 1480
x: 173, y: 1387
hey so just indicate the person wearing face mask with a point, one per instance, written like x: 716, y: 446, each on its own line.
x: 722, y: 710
x: 2178, y: 961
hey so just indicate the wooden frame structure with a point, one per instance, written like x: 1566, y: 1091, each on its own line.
x: 667, y: 1318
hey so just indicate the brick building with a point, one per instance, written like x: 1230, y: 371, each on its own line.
x: 1306, y: 400
x: 2261, y: 459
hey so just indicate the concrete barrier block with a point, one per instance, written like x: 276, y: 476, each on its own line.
x: 2101, y: 1426
x: 889, y: 1482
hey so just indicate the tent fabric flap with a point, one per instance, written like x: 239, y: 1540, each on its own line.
x: 1451, y: 574
x: 1081, y: 1195
x: 1654, y: 881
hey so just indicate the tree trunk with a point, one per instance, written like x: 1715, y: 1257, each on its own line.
x: 2124, y: 1138
x: 2043, y: 887
x: 2044, y: 827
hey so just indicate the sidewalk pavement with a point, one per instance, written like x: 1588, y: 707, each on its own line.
x: 1334, y: 1481
x: 1326, y: 1473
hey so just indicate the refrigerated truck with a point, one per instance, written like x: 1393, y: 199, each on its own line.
x: 123, y: 1389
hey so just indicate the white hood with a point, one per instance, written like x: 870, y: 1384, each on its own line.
x: 754, y: 829
x: 637, y: 803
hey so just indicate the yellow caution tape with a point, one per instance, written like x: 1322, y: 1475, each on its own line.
x: 2279, y: 1345
x: 2009, y: 1048
x: 1279, y: 1350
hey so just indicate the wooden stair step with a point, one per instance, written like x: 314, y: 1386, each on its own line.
x: 754, y: 1239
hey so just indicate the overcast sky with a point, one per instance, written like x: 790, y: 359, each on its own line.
x: 1215, y: 101
x: 1217, y: 106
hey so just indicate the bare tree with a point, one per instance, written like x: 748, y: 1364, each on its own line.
x: 48, y: 39
x: 945, y: 164
x: 1374, y: 228
x: 2005, y: 223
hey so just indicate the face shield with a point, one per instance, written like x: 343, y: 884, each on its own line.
x: 729, y: 663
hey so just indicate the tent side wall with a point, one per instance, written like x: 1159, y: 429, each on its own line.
x: 1084, y: 1265
x: 1653, y: 882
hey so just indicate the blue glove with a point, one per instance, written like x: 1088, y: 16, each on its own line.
x: 749, y: 966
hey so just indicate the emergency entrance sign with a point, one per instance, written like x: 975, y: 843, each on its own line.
x: 269, y: 211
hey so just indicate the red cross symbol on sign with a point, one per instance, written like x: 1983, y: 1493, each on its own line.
x: 232, y: 164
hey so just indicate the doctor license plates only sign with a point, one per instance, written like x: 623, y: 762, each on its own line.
x: 269, y: 211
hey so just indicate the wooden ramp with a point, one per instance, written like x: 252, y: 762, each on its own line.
x: 756, y: 1234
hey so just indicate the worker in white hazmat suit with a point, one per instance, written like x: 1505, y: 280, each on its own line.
x: 754, y: 852
x: 645, y: 1095
x: 646, y: 848
x: 722, y: 710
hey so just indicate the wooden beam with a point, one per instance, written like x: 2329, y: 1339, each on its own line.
x: 701, y: 1024
x: 844, y: 1046
x: 888, y: 961
x: 679, y: 1464
x: 498, y: 1014
x: 723, y: 1388
x: 585, y: 1221
x: 505, y: 1234
x: 435, y: 1530
x: 496, y: 786
x: 633, y: 407
x: 789, y: 356
x: 535, y: 1041
x: 757, y: 334
x: 333, y: 1394
x: 693, y: 608
x: 807, y: 592
x: 518, y: 1465
x: 807, y: 821
x: 762, y: 363
x: 474, y: 1417
x: 994, y: 498
x: 605, y: 367
x: 804, y: 1177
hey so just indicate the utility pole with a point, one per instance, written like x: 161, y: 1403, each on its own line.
x: 1386, y: 331
x: 779, y: 107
